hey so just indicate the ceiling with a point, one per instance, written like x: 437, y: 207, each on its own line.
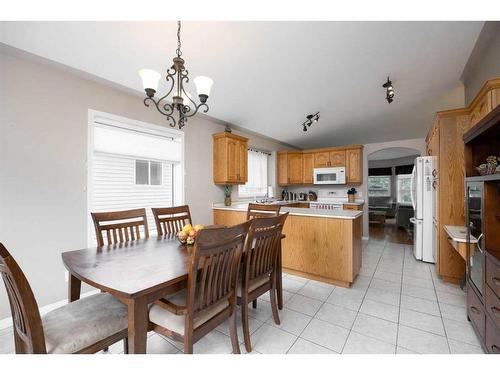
x: 393, y: 153
x: 269, y: 75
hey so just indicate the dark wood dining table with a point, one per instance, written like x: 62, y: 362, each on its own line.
x: 137, y: 273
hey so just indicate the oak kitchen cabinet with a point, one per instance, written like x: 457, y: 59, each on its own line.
x: 350, y: 157
x: 290, y: 168
x: 230, y: 158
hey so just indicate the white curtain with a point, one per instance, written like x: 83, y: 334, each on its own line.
x: 257, y: 175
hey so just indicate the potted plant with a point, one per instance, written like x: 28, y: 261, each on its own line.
x: 228, y: 189
x: 351, y: 195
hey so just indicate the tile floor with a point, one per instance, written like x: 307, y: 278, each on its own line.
x: 396, y: 306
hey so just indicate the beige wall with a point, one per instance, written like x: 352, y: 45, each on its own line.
x: 43, y: 149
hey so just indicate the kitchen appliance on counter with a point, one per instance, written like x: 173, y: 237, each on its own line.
x: 302, y: 196
x: 423, y: 198
x: 312, y: 196
x: 329, y: 176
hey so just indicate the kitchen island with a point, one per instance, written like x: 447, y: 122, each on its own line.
x: 320, y: 244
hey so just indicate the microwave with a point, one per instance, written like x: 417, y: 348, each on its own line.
x: 329, y: 176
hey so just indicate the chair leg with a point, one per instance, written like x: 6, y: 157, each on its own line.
x: 246, y: 329
x: 274, y: 305
x: 125, y: 345
x: 254, y: 303
x: 106, y: 349
x: 188, y: 344
x: 233, y: 332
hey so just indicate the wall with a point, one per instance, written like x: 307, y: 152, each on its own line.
x: 484, y: 61
x: 43, y: 149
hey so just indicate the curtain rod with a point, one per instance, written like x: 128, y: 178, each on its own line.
x: 258, y: 150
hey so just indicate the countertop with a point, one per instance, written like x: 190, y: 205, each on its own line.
x: 334, y: 214
x: 458, y: 234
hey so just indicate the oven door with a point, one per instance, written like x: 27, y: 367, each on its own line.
x: 475, y: 266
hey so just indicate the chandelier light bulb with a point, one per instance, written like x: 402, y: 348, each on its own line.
x: 203, y: 85
x: 150, y: 79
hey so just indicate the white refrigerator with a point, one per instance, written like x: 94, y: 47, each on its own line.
x: 423, y: 197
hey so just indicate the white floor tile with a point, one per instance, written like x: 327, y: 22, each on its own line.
x: 460, y: 331
x: 302, y: 346
x: 359, y: 344
x: 383, y: 296
x: 262, y: 312
x: 422, y: 342
x: 325, y: 334
x: 380, y: 310
x: 271, y: 340
x: 400, y: 350
x: 315, y: 291
x: 424, y: 322
x: 458, y: 347
x: 286, y: 296
x: 337, y: 315
x: 387, y: 286
x: 451, y: 298
x: 377, y: 328
x: 389, y: 276
x: 253, y: 325
x: 415, y: 291
x: 345, y: 297
x: 291, y: 321
x: 214, y: 342
x: 421, y: 283
x: 420, y: 305
x: 453, y: 312
x: 304, y: 305
x: 292, y: 285
x: 158, y: 345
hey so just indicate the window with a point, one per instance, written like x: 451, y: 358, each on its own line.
x: 404, y: 188
x: 379, y: 186
x: 147, y: 172
x: 256, y: 185
x: 132, y: 165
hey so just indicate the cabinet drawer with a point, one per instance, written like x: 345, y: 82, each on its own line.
x: 475, y: 311
x: 492, y: 338
x: 493, y: 276
x: 492, y: 306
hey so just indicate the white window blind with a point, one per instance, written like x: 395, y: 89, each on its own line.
x: 258, y: 162
x: 379, y: 186
x: 404, y: 188
x: 133, y: 166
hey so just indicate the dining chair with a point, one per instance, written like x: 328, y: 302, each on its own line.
x: 170, y: 220
x: 120, y: 226
x: 262, y: 210
x: 87, y: 325
x: 210, y: 296
x: 259, y: 272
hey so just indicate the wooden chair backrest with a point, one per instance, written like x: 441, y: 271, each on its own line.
x: 120, y: 226
x: 263, y: 243
x: 170, y: 220
x: 28, y: 329
x: 256, y: 210
x: 214, y: 268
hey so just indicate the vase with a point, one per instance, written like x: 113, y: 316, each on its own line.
x: 351, y: 198
x: 227, y: 201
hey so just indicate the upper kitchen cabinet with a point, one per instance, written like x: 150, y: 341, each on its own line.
x: 296, y: 167
x: 230, y: 158
x: 290, y: 168
x: 307, y: 167
x: 354, y: 166
x: 485, y: 101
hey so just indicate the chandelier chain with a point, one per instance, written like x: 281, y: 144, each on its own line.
x: 178, y: 51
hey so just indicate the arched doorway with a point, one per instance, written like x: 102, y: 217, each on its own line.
x: 389, y: 189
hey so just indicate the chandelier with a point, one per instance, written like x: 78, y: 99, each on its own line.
x: 389, y: 91
x: 180, y: 101
x: 310, y: 120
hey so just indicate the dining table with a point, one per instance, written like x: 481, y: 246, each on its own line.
x: 137, y: 273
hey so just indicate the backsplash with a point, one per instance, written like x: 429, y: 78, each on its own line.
x: 331, y: 192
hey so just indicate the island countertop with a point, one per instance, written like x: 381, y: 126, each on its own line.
x: 296, y: 211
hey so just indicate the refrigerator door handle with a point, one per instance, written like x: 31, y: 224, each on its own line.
x: 412, y: 187
x: 413, y: 220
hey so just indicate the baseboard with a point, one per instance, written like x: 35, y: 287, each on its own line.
x: 7, y: 322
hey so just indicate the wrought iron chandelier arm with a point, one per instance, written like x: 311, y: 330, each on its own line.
x: 195, y: 111
x: 167, y: 110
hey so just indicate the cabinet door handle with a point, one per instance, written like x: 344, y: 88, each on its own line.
x: 496, y: 281
x: 474, y: 309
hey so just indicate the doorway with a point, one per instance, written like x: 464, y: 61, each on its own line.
x: 389, y: 194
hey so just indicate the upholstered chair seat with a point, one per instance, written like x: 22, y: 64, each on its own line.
x: 77, y: 325
x: 253, y: 284
x: 176, y: 322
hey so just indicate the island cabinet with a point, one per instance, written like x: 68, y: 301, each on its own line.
x: 230, y: 159
x: 321, y: 248
x: 290, y: 167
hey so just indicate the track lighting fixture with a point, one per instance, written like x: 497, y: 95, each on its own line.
x: 310, y: 120
x: 389, y: 90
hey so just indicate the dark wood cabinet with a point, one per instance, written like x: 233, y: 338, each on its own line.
x: 483, y: 222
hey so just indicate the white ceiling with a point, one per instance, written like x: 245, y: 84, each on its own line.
x: 270, y: 75
x: 393, y: 153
